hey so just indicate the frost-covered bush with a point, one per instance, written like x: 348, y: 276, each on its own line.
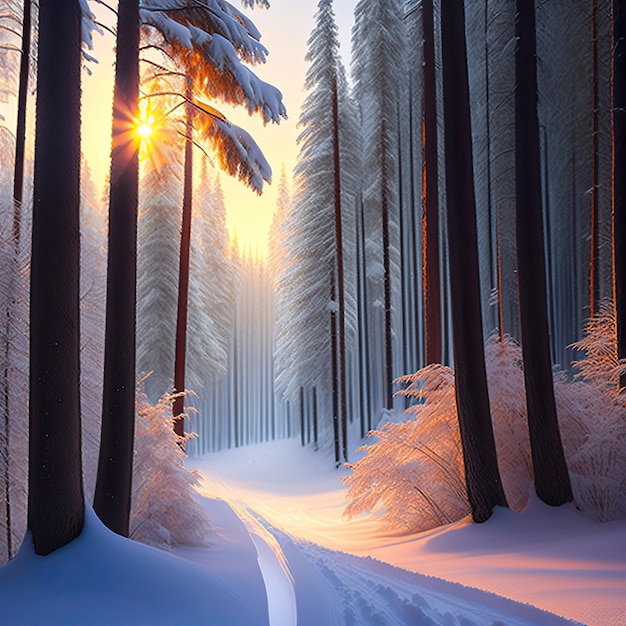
x: 165, y: 510
x: 600, y: 366
x: 413, y: 476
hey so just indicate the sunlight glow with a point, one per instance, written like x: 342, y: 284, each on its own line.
x: 144, y: 130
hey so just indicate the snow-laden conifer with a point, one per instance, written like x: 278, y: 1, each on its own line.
x: 157, y: 269
x: 378, y: 71
x: 307, y: 281
x: 211, y: 287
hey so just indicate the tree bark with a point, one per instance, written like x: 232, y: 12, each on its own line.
x: 430, y: 196
x: 113, y: 484
x: 55, y: 486
x: 183, y: 278
x: 484, y: 487
x: 551, y: 476
x: 618, y: 85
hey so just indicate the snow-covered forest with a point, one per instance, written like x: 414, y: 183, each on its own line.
x: 437, y: 328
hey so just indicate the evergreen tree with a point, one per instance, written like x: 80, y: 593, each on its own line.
x: 378, y: 71
x: 319, y: 236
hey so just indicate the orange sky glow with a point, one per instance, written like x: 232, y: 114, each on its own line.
x: 285, y: 28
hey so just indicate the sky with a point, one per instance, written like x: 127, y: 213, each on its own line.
x: 285, y: 29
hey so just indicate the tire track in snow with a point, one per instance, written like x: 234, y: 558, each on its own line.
x: 353, y: 590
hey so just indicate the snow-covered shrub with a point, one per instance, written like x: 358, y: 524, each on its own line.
x: 165, y: 510
x: 593, y: 430
x: 600, y: 366
x: 414, y: 473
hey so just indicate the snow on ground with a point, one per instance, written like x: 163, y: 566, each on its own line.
x: 555, y: 559
x: 283, y: 556
x: 102, y: 578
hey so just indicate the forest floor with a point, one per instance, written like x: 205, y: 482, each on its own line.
x: 319, y: 568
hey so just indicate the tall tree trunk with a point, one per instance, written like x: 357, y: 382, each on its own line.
x: 183, y: 276
x: 484, y: 487
x: 20, y: 131
x: 594, y: 218
x: 334, y: 372
x: 551, y: 476
x: 386, y: 218
x: 341, y: 300
x: 618, y: 84
x: 113, y: 484
x: 55, y: 485
x: 430, y: 195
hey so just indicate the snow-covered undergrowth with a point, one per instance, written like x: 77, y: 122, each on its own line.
x: 165, y: 510
x: 413, y: 475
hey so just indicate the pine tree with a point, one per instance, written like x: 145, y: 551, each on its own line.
x: 378, y: 69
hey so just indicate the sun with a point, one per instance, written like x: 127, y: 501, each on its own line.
x: 144, y: 130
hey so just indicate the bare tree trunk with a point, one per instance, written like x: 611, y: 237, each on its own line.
x: 183, y: 277
x: 484, y: 487
x: 334, y: 373
x: 594, y: 217
x: 20, y: 131
x: 618, y: 84
x: 113, y: 484
x: 341, y: 300
x: 551, y: 476
x: 55, y: 485
x: 430, y: 196
x: 388, y: 356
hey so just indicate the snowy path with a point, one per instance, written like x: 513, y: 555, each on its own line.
x: 308, y: 585
x: 555, y: 559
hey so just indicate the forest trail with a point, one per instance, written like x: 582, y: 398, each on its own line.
x: 555, y: 559
x: 308, y: 584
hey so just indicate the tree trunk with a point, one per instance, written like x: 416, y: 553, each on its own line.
x: 115, y: 463
x: 484, y: 487
x: 594, y: 218
x: 551, y: 476
x: 55, y: 486
x: 183, y: 278
x: 430, y: 196
x: 386, y: 218
x: 618, y: 84
x: 334, y: 373
x: 341, y: 300
x: 20, y: 131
